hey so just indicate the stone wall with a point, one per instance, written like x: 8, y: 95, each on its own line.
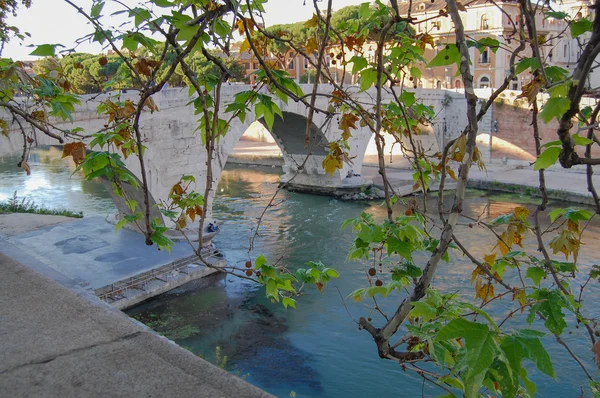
x: 514, y: 136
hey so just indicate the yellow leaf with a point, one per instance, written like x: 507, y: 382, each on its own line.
x: 181, y: 222
x: 521, y: 296
x: 425, y: 39
x: 151, y: 105
x: 531, y: 89
x: 4, y: 127
x: 245, y: 46
x: 572, y: 226
x: 311, y: 23
x: 312, y: 45
x: 484, y: 291
x: 451, y: 173
x: 476, y: 272
x: 76, y: 150
x: 26, y: 167
x: 331, y: 164
x: 490, y: 259
x: 521, y: 213
x: 39, y: 115
x: 347, y: 122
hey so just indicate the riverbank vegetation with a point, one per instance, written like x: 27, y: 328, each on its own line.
x: 449, y: 341
x: 24, y: 205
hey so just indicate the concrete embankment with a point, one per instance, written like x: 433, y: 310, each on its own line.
x: 58, y: 343
x: 139, y: 288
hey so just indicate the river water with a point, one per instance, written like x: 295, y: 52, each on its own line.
x: 315, y: 350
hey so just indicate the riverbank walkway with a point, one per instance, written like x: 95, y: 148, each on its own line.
x: 56, y: 342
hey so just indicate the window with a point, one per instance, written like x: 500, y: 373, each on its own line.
x: 306, y: 63
x: 485, y: 59
x: 256, y: 65
x: 565, y: 51
x: 291, y: 65
x: 422, y: 7
x: 484, y: 82
x: 438, y: 84
x: 485, y: 23
x: 247, y: 65
x: 437, y: 25
x: 457, y: 84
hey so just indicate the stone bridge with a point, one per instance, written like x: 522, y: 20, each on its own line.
x: 174, y: 149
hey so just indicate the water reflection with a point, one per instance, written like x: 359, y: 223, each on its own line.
x: 52, y: 183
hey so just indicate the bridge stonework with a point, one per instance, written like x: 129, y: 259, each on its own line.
x: 174, y: 148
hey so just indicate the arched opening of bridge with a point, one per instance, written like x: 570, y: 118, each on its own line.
x: 396, y: 154
x: 257, y: 145
x: 253, y: 143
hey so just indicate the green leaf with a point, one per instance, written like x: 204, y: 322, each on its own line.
x: 579, y: 140
x: 527, y: 63
x: 480, y: 345
x: 359, y: 63
x: 535, y: 274
x: 552, y: 143
x: 162, y: 241
x: 222, y: 28
x: 130, y: 43
x: 578, y: 215
x: 550, y: 304
x: 556, y: 14
x: 448, y: 56
x: 288, y: 302
x: 556, y: 73
x: 580, y: 27
x: 260, y: 261
x: 357, y: 295
x: 367, y: 78
x: 97, y: 9
x: 330, y: 272
x: 399, y: 246
x: 493, y: 44
x: 45, y: 50
x: 272, y: 289
x: 554, y: 214
x: 422, y: 309
x: 547, y: 158
x: 163, y: 3
x: 502, y: 219
x: 408, y: 98
x: 415, y: 72
x: 526, y: 343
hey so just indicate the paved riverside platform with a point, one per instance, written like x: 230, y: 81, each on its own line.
x: 55, y: 342
x: 85, y: 252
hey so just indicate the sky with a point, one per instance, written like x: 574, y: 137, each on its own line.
x: 54, y: 21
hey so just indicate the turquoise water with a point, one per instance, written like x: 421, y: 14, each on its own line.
x: 52, y: 184
x: 315, y: 350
